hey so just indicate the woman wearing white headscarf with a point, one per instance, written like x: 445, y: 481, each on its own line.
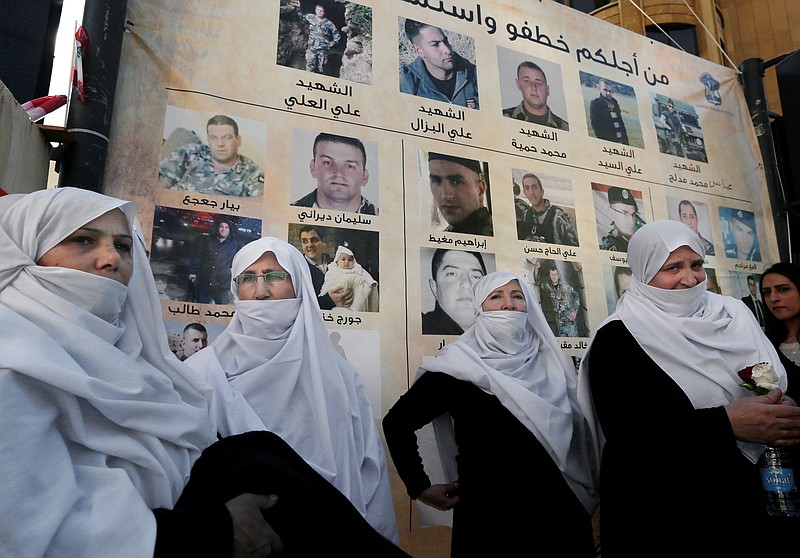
x: 681, y: 433
x: 102, y: 425
x: 276, y: 352
x: 523, y: 483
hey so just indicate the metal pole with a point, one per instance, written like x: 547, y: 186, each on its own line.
x: 89, y: 123
x: 752, y: 78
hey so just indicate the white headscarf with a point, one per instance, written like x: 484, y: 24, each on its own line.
x: 343, y: 250
x: 515, y: 357
x: 278, y: 355
x: 357, y: 268
x: 700, y: 339
x: 101, y: 422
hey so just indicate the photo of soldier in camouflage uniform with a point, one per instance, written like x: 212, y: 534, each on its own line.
x: 213, y: 168
x: 560, y: 290
x: 543, y: 221
x: 322, y: 35
x: 326, y: 37
x: 619, y: 215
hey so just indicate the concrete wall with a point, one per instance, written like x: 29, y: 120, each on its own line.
x: 24, y: 151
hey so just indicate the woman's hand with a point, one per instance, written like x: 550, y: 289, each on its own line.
x: 440, y: 496
x: 252, y: 535
x: 771, y: 419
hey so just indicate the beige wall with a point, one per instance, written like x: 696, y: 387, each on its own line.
x: 24, y: 152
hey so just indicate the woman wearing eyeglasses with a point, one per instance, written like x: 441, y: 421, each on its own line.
x: 276, y: 358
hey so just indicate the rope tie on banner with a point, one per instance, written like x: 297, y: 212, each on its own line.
x: 667, y: 35
x: 710, y: 35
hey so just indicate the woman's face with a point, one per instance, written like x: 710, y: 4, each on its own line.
x: 100, y: 247
x: 781, y: 296
x: 682, y: 270
x: 509, y: 297
x: 252, y: 285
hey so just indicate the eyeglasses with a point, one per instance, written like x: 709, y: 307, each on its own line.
x: 252, y: 278
x: 630, y: 215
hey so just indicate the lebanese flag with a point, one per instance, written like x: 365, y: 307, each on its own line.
x: 81, y: 44
x: 37, y: 108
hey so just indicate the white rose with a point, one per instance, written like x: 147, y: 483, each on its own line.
x: 764, y: 376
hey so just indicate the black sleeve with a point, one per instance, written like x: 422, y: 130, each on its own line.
x: 637, y: 401
x: 196, y: 254
x: 594, y: 114
x: 423, y: 402
x: 199, y: 531
x: 310, y: 511
x: 325, y: 302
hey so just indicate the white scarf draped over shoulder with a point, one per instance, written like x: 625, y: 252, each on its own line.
x: 515, y: 357
x: 278, y: 370
x: 101, y: 422
x: 699, y: 338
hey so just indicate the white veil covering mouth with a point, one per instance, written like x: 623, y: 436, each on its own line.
x: 276, y: 362
x: 699, y: 338
x: 102, y: 423
x: 515, y: 357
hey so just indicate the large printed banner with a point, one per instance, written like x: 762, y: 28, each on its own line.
x: 409, y: 147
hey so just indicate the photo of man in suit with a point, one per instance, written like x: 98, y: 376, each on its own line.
x: 752, y: 301
x: 312, y: 243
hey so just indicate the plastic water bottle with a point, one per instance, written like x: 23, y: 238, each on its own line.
x: 777, y: 478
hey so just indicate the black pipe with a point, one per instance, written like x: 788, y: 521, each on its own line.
x: 89, y: 123
x: 752, y: 78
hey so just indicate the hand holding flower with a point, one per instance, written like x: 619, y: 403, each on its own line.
x: 764, y: 420
x: 771, y: 418
x: 760, y: 378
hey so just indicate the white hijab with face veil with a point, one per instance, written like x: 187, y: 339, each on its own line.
x: 699, y: 338
x: 515, y: 357
x: 101, y: 422
x: 277, y: 354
